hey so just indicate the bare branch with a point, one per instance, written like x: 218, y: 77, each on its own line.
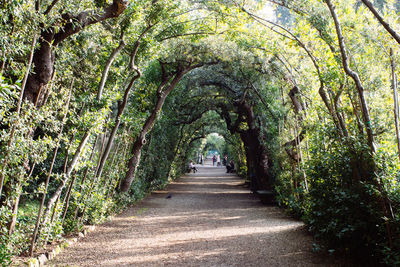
x: 107, y: 67
x: 76, y: 23
x: 353, y: 75
x: 386, y: 25
x: 50, y: 7
x: 191, y: 34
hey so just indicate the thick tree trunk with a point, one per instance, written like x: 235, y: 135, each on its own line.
x: 291, y: 146
x: 44, y: 57
x: 257, y: 158
x: 293, y: 94
x: 133, y: 163
x: 141, y: 139
x: 259, y: 163
x: 43, y: 60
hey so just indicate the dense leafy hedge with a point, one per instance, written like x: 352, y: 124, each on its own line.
x: 347, y: 216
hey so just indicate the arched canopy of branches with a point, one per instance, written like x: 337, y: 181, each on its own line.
x: 95, y: 94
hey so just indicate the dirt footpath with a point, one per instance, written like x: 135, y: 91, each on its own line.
x: 209, y: 220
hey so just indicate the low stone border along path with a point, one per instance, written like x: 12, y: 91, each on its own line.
x: 210, y: 219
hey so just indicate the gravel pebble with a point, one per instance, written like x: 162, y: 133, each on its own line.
x: 209, y: 220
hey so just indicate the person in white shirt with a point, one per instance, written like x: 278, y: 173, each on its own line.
x: 192, y: 167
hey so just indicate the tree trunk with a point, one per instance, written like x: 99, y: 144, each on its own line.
x: 107, y: 184
x: 49, y: 173
x: 122, y: 104
x: 298, y: 107
x: 396, y: 101
x: 71, y: 167
x: 15, y: 125
x: 121, y: 108
x: 257, y: 156
x: 354, y: 76
x: 3, y: 62
x: 148, y: 125
x: 386, y: 25
x: 114, y: 187
x: 16, y: 203
x: 68, y: 197
x: 107, y: 67
x: 14, y: 213
x: 82, y: 182
x: 257, y: 162
x: 44, y: 57
x: 339, y: 116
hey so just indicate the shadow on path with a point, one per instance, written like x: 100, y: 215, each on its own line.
x: 210, y: 220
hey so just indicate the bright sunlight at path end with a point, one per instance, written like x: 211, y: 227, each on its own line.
x: 210, y: 220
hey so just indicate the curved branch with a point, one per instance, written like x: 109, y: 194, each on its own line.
x: 284, y: 4
x: 50, y: 7
x: 106, y: 69
x: 192, y: 119
x: 386, y: 25
x: 74, y: 24
x: 321, y: 90
x: 353, y: 75
x: 260, y: 97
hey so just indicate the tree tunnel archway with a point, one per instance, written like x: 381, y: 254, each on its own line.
x: 212, y: 144
x: 106, y: 100
x: 215, y: 99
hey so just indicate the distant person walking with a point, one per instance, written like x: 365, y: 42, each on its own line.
x: 218, y: 160
x: 214, y: 160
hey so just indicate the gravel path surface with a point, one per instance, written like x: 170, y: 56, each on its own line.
x: 210, y: 220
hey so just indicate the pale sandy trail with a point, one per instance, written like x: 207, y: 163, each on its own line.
x: 210, y: 220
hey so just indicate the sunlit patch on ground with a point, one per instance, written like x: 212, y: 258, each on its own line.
x: 208, y: 221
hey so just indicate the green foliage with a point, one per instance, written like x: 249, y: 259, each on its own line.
x: 347, y: 195
x: 5, y: 253
x: 214, y: 142
x: 345, y: 213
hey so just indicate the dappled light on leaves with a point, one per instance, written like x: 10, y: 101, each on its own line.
x: 102, y: 102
